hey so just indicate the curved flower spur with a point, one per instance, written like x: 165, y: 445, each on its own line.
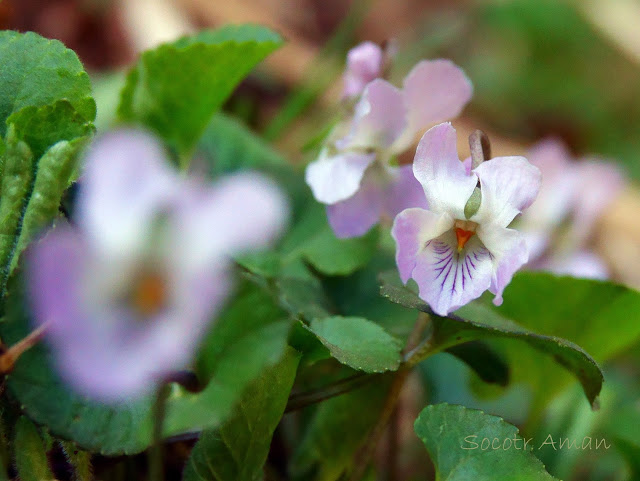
x: 354, y: 175
x: 128, y: 294
x: 461, y: 246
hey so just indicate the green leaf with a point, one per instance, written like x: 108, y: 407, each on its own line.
x: 46, y: 99
x: 42, y: 127
x: 227, y: 146
x: 15, y: 185
x: 477, y: 321
x: 176, y: 88
x: 302, y: 298
x: 37, y: 72
x: 52, y: 178
x: 240, y: 364
x: 230, y: 146
x: 251, y: 309
x: 336, y: 431
x: 358, y: 343
x: 241, y: 353
x: 339, y: 257
x: 31, y: 459
x: 453, y: 436
x: 601, y: 317
x: 238, y: 450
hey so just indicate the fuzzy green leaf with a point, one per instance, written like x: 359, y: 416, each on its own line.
x: 16, y: 181
x: 42, y: 127
x: 313, y: 240
x: 52, y: 178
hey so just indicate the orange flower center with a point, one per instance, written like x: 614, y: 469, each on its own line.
x: 149, y: 294
x: 464, y: 230
x: 463, y: 237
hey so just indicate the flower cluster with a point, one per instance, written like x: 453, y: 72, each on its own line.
x: 355, y: 175
x: 562, y: 219
x: 129, y: 292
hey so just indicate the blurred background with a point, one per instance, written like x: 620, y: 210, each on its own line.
x: 569, y: 69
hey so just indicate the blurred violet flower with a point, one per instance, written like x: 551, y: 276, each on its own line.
x: 364, y: 64
x: 129, y: 293
x: 355, y: 175
x: 560, y: 222
x: 454, y: 257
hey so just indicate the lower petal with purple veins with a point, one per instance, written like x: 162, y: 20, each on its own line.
x: 449, y: 278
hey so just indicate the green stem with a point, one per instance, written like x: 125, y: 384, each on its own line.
x: 156, y: 466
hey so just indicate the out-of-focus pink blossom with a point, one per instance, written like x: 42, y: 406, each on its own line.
x: 364, y: 64
x: 130, y: 291
x: 574, y: 194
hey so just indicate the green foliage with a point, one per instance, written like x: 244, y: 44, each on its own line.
x: 42, y: 127
x: 358, y: 343
x: 313, y: 240
x: 176, y: 88
x: 227, y: 146
x: 37, y: 72
x: 46, y: 100
x: 336, y: 431
x: 486, y: 363
x: 238, y: 450
x: 31, y: 458
x: 447, y: 432
x: 16, y: 181
x: 55, y: 169
x: 601, y: 317
x: 477, y: 321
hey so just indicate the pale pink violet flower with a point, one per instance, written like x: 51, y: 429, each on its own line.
x: 354, y: 175
x: 454, y: 258
x: 129, y: 292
